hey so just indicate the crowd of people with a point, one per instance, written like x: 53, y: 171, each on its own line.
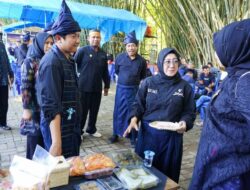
x: 61, y: 86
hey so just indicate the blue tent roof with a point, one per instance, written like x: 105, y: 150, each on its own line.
x: 20, y: 25
x: 108, y: 20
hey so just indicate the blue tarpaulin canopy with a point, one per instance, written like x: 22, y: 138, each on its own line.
x: 20, y: 25
x: 108, y: 20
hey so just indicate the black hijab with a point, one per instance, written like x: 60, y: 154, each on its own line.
x: 232, y: 45
x: 163, y: 77
x: 36, y: 50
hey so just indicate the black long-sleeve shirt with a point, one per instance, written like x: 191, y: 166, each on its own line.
x: 50, y: 82
x: 5, y: 69
x: 130, y: 72
x: 20, y: 53
x: 164, y: 101
x: 93, y: 69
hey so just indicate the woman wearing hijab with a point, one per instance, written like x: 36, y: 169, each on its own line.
x: 31, y: 111
x: 223, y: 157
x: 163, y: 97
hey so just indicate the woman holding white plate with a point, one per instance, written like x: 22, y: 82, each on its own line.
x: 165, y: 97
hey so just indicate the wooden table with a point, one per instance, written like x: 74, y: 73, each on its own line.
x: 165, y: 184
x: 171, y: 185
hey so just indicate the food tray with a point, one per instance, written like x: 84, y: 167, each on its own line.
x: 137, y: 177
x: 126, y: 158
x: 98, y: 173
x: 111, y: 183
x: 89, y: 185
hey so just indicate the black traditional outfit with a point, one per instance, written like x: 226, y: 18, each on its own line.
x: 163, y: 98
x: 57, y: 89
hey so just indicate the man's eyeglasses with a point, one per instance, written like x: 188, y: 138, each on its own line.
x: 173, y: 61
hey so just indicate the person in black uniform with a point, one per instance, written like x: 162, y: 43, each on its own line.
x: 163, y: 97
x: 20, y: 53
x: 22, y: 50
x: 131, y: 68
x: 57, y: 89
x: 93, y: 68
x: 6, y: 79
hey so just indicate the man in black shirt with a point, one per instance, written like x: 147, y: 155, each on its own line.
x: 6, y: 77
x: 93, y: 68
x: 131, y: 69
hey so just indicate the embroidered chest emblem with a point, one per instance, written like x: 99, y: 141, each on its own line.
x: 154, y: 91
x: 70, y: 111
x: 179, y: 92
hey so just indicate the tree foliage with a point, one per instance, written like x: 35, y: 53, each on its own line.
x: 187, y: 25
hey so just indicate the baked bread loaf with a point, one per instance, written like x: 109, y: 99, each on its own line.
x: 77, y: 167
x: 98, y: 161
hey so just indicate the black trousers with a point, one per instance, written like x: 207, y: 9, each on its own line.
x: 4, y: 94
x: 32, y: 141
x: 90, y: 103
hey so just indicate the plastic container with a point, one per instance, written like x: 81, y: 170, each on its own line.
x: 98, y: 173
x: 126, y: 158
x: 89, y: 185
x: 148, y: 158
x: 111, y: 183
x: 137, y: 177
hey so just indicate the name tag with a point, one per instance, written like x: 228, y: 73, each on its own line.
x: 152, y: 91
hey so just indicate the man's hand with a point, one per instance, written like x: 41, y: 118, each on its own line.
x: 27, y: 114
x: 183, y: 127
x: 106, y: 91
x: 133, y: 125
x: 55, y: 149
x: 55, y: 130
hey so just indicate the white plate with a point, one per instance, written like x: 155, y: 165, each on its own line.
x: 165, y: 125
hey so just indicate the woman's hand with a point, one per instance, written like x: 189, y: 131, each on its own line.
x: 27, y: 114
x: 133, y: 125
x: 183, y: 127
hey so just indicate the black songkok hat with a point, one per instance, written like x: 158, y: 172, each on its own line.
x: 48, y: 27
x: 130, y: 38
x: 26, y: 37
x: 65, y: 23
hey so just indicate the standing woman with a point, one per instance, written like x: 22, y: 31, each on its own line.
x: 223, y: 157
x: 31, y: 111
x: 163, y: 97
